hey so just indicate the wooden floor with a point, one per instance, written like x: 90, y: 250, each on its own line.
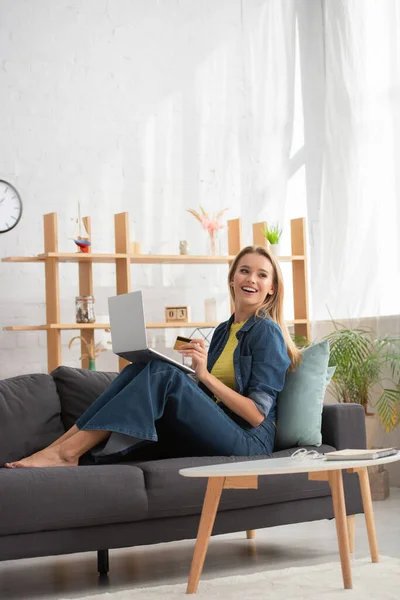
x: 274, y: 548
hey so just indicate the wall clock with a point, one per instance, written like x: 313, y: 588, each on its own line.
x: 10, y: 207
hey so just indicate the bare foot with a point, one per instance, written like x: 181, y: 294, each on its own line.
x: 49, y: 457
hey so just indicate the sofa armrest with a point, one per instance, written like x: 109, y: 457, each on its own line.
x: 343, y: 426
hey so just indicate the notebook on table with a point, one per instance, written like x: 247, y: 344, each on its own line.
x: 364, y: 454
x: 128, y: 331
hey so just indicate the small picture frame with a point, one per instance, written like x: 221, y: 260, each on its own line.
x: 176, y: 313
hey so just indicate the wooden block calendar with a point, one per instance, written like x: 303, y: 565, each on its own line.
x: 176, y: 313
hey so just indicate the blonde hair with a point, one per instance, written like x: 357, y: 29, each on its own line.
x: 272, y: 306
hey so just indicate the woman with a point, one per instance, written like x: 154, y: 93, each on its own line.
x: 231, y: 411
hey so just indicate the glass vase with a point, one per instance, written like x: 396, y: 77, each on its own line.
x: 84, y: 309
x: 213, y: 243
x: 92, y: 364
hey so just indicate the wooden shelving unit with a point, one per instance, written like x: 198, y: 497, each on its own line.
x: 148, y: 259
x: 123, y: 259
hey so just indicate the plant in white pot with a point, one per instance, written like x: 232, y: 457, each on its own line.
x: 365, y: 365
x: 273, y: 235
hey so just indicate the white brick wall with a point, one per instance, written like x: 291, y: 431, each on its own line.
x: 124, y: 106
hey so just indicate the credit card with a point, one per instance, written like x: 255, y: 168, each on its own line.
x: 180, y: 341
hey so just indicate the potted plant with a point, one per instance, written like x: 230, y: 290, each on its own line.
x: 273, y: 235
x: 92, y: 350
x: 367, y: 364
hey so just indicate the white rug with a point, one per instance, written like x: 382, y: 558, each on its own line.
x: 379, y: 581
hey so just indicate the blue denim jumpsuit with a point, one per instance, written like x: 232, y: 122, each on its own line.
x: 145, y: 396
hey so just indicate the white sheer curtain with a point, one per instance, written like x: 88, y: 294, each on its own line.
x: 221, y: 136
x: 356, y: 227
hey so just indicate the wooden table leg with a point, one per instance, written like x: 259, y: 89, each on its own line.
x: 351, y: 528
x: 210, y: 506
x: 251, y: 534
x: 339, y: 510
x: 368, y: 512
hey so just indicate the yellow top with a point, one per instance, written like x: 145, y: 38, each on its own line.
x: 223, y: 368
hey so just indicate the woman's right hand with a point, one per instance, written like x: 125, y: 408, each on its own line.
x: 197, y: 351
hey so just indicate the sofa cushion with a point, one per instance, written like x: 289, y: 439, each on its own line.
x: 299, y: 404
x: 77, y: 389
x: 171, y: 494
x: 29, y: 415
x: 66, y: 497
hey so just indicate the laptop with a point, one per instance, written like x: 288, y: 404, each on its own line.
x: 128, y: 331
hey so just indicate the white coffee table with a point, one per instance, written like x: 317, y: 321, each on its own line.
x: 244, y: 475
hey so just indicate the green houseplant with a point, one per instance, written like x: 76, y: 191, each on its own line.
x: 363, y: 362
x: 273, y: 234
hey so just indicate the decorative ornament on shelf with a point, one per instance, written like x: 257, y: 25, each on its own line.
x: 273, y: 235
x: 84, y: 309
x: 176, y: 313
x: 92, y: 350
x: 210, y: 309
x: 82, y: 242
x: 183, y: 247
x: 135, y: 248
x: 211, y: 224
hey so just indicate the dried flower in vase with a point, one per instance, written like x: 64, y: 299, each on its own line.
x: 210, y: 223
x: 92, y: 350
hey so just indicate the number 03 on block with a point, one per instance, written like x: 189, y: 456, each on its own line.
x: 176, y: 313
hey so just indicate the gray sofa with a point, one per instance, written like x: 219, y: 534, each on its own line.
x: 142, y: 500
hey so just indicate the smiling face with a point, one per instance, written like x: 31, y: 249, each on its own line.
x: 252, y: 282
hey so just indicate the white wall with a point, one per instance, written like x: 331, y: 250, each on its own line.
x: 110, y: 104
x: 147, y: 107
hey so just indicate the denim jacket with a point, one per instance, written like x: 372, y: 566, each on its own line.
x: 260, y: 361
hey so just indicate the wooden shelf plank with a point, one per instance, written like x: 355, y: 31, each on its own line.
x: 179, y: 259
x: 134, y: 258
x: 25, y: 259
x: 290, y: 258
x: 183, y: 325
x: 26, y: 328
x: 79, y: 326
x: 172, y: 325
x: 58, y: 326
x: 83, y: 257
x: 64, y: 326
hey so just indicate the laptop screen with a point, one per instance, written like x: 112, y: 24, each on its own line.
x: 127, y: 321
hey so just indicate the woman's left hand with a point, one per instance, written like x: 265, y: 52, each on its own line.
x: 196, y: 350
